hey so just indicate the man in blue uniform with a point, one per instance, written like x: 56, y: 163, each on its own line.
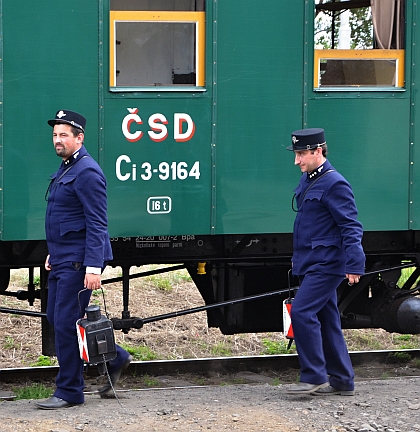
x: 326, y: 248
x: 79, y: 248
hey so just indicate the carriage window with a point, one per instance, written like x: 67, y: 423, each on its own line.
x: 359, y: 44
x: 157, y: 43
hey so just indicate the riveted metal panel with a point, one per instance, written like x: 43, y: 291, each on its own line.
x: 50, y: 52
x: 368, y: 135
x: 414, y: 143
x: 259, y: 69
x: 259, y: 91
x: 368, y: 140
x: 158, y: 186
x: 1, y: 121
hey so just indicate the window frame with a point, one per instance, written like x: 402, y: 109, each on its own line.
x: 359, y: 54
x: 194, y: 17
x: 404, y: 75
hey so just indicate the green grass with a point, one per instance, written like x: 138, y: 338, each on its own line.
x: 97, y: 297
x: 22, y: 278
x: 34, y: 391
x: 166, y: 281
x: 238, y: 381
x: 44, y: 361
x: 405, y: 274
x: 276, y: 381
x: 362, y: 340
x: 140, y: 352
x: 399, y: 357
x: 9, y: 343
x: 161, y: 282
x: 277, y: 347
x: 221, y: 349
x: 406, y: 341
x: 402, y: 337
x: 149, y: 381
x: 201, y: 381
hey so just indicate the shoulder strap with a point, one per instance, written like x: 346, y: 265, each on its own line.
x: 307, y: 189
x: 55, y: 181
x: 70, y: 167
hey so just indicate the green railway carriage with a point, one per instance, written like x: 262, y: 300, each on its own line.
x: 190, y: 105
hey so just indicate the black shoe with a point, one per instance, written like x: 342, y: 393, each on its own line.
x: 302, y: 388
x: 330, y: 390
x: 54, y: 403
x: 115, y: 376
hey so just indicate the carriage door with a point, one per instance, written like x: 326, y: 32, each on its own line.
x: 156, y: 118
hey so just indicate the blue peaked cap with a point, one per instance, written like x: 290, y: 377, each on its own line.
x: 70, y: 117
x: 307, y: 139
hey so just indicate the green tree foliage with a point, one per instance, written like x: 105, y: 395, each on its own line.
x: 360, y: 24
x: 361, y: 28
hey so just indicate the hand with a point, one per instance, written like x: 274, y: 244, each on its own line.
x: 47, y: 264
x: 92, y: 281
x: 353, y: 278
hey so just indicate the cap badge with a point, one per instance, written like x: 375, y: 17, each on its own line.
x: 61, y: 114
x: 294, y: 140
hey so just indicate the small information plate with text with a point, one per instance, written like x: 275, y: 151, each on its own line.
x: 159, y: 205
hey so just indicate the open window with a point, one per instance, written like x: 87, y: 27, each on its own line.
x: 157, y: 43
x: 359, y: 44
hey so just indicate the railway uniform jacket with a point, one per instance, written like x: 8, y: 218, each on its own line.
x: 76, y: 217
x: 327, y: 236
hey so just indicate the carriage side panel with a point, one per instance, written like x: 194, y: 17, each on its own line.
x: 50, y: 52
x: 259, y: 96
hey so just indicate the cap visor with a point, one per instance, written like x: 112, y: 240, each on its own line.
x: 53, y: 123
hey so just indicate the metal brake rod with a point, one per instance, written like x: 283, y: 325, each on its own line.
x: 23, y: 312
x: 248, y: 298
x: 144, y: 274
x: 389, y: 269
x: 203, y: 308
x: 215, y: 305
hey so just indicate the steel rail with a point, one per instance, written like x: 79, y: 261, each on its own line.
x: 221, y: 365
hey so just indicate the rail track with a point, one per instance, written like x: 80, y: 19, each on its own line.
x: 250, y: 369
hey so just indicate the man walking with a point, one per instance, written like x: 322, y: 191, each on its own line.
x: 326, y: 248
x: 79, y: 249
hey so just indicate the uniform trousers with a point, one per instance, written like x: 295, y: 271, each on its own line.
x: 320, y: 343
x: 65, y: 306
